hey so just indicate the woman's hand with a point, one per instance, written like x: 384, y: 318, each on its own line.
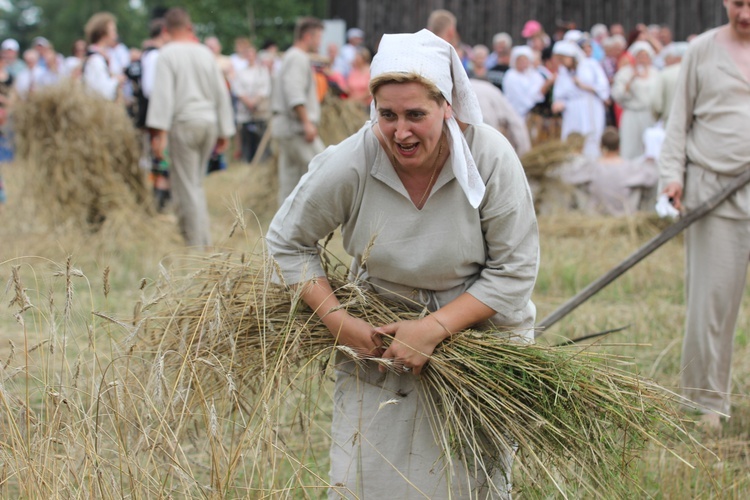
x: 355, y: 333
x: 413, y: 342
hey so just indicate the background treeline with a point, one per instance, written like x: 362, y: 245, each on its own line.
x: 62, y: 21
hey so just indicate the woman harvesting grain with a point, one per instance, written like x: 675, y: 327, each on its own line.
x: 435, y: 209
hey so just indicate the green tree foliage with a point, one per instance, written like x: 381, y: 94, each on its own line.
x: 62, y: 22
x: 256, y: 19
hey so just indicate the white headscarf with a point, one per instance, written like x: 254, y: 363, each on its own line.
x: 521, y: 50
x: 641, y: 47
x: 568, y: 48
x: 436, y: 60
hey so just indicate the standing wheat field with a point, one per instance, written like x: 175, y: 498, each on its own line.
x: 93, y: 405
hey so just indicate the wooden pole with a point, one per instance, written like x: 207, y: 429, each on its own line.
x: 640, y: 254
x: 262, y: 145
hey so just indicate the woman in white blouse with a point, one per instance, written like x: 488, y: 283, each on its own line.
x: 633, y: 90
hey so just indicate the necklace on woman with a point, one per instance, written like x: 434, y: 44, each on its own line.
x: 432, y: 175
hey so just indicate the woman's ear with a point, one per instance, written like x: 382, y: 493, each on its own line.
x: 448, y: 111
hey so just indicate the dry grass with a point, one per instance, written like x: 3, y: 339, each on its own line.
x: 79, y: 419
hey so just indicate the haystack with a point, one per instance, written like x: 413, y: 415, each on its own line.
x: 80, y: 156
x: 226, y: 332
x: 339, y: 119
x: 550, y: 154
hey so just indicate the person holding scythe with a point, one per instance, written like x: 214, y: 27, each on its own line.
x: 706, y: 146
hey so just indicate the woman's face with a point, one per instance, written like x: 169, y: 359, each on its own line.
x: 411, y: 123
x: 587, y: 49
x: 522, y: 63
x: 111, y: 37
x: 642, y: 58
x: 566, y: 61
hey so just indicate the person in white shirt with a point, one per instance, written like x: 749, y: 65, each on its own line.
x: 252, y: 86
x: 522, y: 84
x: 101, y: 33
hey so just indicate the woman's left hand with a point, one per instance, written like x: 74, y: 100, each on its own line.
x: 413, y: 342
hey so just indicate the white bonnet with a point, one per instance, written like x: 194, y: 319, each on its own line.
x: 521, y: 50
x: 641, y: 47
x: 434, y: 59
x: 567, y: 48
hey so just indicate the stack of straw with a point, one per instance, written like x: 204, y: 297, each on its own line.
x: 81, y: 155
x: 575, y: 414
x: 545, y: 156
x: 339, y: 119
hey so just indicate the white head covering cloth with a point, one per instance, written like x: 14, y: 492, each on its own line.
x: 568, y: 48
x: 433, y: 58
x: 641, y: 47
x: 521, y: 50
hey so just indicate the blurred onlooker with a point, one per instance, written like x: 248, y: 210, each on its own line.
x: 6, y: 86
x: 580, y: 91
x: 358, y: 80
x: 633, y: 90
x: 535, y: 36
x: 345, y: 58
x: 478, y: 67
x: 269, y: 54
x: 666, y: 84
x: 101, y: 33
x: 599, y: 33
x: 252, y: 86
x: 501, y: 45
x: 74, y: 62
x: 523, y: 84
x: 499, y: 61
x: 226, y: 65
x: 542, y: 123
x: 54, y: 66
x: 119, y: 57
x: 30, y: 78
x: 614, y: 47
x: 239, y: 56
x: 616, y: 29
x: 616, y: 184
x: 47, y: 53
x: 10, y: 51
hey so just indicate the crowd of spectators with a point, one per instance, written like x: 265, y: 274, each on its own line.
x: 543, y: 86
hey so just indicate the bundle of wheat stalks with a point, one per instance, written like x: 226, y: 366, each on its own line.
x: 81, y: 153
x: 575, y: 414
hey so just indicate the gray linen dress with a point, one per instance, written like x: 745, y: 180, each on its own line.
x: 382, y: 441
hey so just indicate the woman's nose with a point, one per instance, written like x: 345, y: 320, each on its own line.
x: 402, y: 130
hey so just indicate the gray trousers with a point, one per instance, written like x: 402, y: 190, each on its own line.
x: 190, y: 147
x: 295, y: 154
x: 718, y: 250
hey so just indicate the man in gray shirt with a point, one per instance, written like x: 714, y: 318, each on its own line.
x: 295, y: 106
x: 190, y: 106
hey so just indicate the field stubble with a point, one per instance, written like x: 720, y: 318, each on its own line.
x: 78, y: 421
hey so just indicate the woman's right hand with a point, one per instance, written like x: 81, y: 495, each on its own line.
x: 355, y: 333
